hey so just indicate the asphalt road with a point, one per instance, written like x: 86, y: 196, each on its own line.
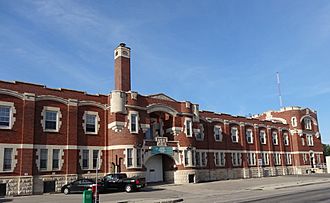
x: 272, y: 189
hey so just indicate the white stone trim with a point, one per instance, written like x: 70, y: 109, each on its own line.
x: 117, y: 126
x: 275, y: 137
x: 97, y: 122
x: 49, y: 148
x: 237, y: 134
x: 130, y: 113
x: 58, y: 118
x: 265, y: 137
x: 12, y: 118
x: 2, y: 158
x: 90, y: 158
x: 186, y: 119
x: 247, y: 135
x: 220, y: 133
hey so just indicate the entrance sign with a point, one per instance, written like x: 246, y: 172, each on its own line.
x: 161, y: 150
x: 161, y: 141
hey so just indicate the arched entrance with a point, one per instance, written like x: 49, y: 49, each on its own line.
x: 160, y: 168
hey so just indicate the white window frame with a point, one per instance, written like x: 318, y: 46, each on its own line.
x: 137, y: 119
x: 217, y: 129
x: 199, y: 133
x: 252, y: 159
x: 47, y: 159
x: 198, y: 158
x: 236, y: 158
x: 288, y: 158
x: 58, y: 159
x: 294, y: 122
x: 188, y: 125
x: 97, y: 122
x: 275, y: 138
x: 12, y: 111
x: 308, y: 123
x: 265, y: 158
x: 232, y: 129
x: 58, y: 118
x: 203, y: 158
x: 219, y: 159
x: 277, y: 159
x: 88, y: 159
x: 11, y: 159
x: 305, y: 159
x: 249, y: 134
x: 310, y: 140
x: 286, y: 139
x: 262, y: 135
x: 303, y: 141
x: 135, y: 155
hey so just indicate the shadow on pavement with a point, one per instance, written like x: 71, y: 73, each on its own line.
x: 3, y: 199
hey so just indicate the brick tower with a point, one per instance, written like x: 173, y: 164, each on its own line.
x: 122, y: 68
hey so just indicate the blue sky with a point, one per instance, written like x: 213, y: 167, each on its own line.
x: 223, y: 55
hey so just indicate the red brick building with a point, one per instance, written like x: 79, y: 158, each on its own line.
x: 49, y: 137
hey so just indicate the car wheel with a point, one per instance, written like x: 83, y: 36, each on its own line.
x: 128, y: 188
x: 66, y: 191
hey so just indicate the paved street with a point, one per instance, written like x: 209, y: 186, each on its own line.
x: 312, y: 188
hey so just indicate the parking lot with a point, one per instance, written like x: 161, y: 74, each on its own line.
x: 219, y: 191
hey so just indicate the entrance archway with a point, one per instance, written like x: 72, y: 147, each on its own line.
x: 160, y: 168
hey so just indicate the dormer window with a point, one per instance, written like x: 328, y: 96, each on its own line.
x: 294, y: 122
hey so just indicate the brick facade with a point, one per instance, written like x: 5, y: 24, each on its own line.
x: 128, y: 130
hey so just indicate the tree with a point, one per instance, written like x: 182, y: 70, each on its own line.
x: 326, y: 149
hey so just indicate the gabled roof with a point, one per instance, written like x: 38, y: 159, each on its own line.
x: 161, y: 96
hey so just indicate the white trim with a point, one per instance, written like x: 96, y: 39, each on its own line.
x: 97, y: 122
x: 137, y: 121
x: 186, y: 119
x: 220, y: 133
x: 58, y: 118
x: 249, y: 135
x: 237, y: 134
x: 12, y: 111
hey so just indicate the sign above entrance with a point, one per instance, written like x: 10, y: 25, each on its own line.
x: 161, y: 150
x: 161, y: 141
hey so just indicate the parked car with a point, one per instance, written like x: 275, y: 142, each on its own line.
x: 119, y: 181
x: 78, y: 186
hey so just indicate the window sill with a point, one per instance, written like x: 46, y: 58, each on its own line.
x: 51, y: 131
x: 90, y: 133
x: 5, y: 128
x: 250, y: 142
x: 11, y: 171
x: 218, y: 140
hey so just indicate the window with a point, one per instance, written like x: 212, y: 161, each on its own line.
x: 262, y: 137
x: 186, y: 159
x: 234, y: 134
x: 265, y: 158
x: 305, y: 158
x: 303, y: 141
x: 275, y: 138
x: 5, y: 116
x: 251, y: 159
x: 7, y: 111
x: 95, y: 158
x: 138, y: 157
x: 193, y: 157
x: 294, y: 122
x: 43, y: 159
x: 197, y: 157
x: 308, y: 124
x: 51, y: 119
x: 219, y: 158
x: 218, y: 133
x: 90, y: 123
x: 134, y: 123
x: 288, y: 158
x: 85, y: 159
x: 200, y: 133
x: 277, y: 159
x: 203, y: 158
x: 236, y: 158
x: 310, y: 141
x: 7, y: 159
x: 129, y: 155
x: 188, y: 127
x: 286, y: 139
x: 56, y: 158
x: 249, y: 136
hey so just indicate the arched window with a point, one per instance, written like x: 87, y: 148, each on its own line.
x: 308, y: 123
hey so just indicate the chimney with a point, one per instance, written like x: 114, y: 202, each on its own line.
x: 122, y: 56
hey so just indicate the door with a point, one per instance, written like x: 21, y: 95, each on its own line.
x: 154, y: 167
x: 49, y: 186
